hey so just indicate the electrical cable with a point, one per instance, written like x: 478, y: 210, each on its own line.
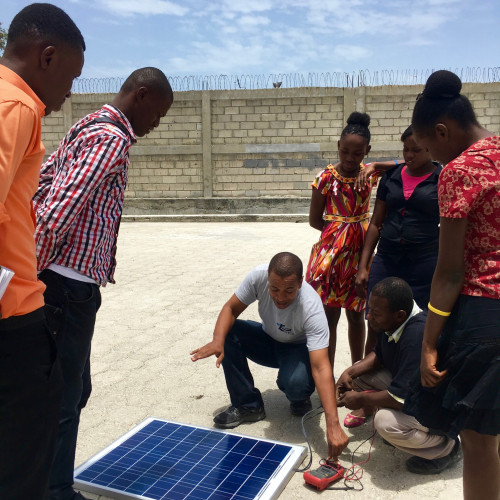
x: 306, y: 417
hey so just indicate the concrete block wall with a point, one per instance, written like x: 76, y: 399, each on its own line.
x: 277, y: 119
x: 162, y: 176
x: 249, y: 144
x: 390, y: 113
x: 52, y: 128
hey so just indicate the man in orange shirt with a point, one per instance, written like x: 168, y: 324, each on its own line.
x: 44, y: 53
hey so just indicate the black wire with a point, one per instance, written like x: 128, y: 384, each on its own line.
x: 306, y: 417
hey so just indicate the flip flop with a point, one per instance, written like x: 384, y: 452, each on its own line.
x: 351, y: 420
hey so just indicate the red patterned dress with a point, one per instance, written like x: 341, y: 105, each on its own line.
x: 469, y: 187
x: 334, y: 259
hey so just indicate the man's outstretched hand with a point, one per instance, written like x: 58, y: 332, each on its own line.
x: 211, y: 349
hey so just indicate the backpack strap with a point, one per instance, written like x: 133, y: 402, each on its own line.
x: 102, y: 119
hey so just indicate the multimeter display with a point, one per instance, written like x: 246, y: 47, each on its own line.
x: 324, y: 475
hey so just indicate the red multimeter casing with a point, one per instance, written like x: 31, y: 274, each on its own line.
x: 324, y: 475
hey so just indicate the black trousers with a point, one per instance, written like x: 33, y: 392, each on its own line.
x: 71, y: 307
x: 30, y: 390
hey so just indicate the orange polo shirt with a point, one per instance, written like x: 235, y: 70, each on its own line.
x: 21, y: 155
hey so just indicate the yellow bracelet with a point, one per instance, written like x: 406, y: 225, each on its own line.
x: 437, y: 311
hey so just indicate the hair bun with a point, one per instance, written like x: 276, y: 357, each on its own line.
x: 357, y: 118
x: 442, y: 84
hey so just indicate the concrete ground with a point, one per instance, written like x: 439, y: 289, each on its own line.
x: 172, y: 279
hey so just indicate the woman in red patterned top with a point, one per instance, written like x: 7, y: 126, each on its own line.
x: 460, y: 366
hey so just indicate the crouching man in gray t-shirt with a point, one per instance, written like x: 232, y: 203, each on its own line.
x: 292, y: 337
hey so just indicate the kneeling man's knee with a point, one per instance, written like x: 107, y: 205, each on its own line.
x: 297, y: 387
x: 386, y: 423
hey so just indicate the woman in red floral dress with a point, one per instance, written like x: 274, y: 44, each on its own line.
x: 341, y: 212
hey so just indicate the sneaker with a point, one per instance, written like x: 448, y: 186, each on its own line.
x: 234, y: 416
x: 419, y: 465
x: 300, y: 408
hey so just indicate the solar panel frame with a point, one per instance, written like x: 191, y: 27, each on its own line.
x: 132, y: 463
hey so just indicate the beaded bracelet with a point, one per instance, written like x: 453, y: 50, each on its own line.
x: 396, y: 162
x: 438, y: 311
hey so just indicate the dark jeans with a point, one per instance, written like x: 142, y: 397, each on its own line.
x: 30, y: 390
x: 247, y: 339
x: 71, y: 308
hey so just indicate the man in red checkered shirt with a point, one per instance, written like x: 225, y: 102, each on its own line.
x: 78, y: 206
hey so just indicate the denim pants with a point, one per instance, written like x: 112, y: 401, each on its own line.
x: 30, y: 391
x: 247, y: 340
x: 71, y: 308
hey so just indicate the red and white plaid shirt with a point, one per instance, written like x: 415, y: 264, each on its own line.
x: 79, y: 200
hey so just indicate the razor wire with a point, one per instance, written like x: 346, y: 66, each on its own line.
x: 361, y: 78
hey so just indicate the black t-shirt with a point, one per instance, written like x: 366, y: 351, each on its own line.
x: 402, y: 359
x: 410, y: 225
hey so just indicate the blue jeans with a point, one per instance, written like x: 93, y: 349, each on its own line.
x: 247, y: 340
x: 71, y: 308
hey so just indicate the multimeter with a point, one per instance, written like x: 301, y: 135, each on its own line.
x: 328, y: 473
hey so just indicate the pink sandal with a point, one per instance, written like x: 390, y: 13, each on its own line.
x: 351, y: 420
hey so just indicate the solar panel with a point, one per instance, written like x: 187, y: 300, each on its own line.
x: 159, y: 459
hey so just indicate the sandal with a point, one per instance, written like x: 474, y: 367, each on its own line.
x: 351, y: 420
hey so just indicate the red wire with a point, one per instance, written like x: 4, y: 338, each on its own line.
x: 352, y: 474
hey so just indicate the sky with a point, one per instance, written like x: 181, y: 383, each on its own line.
x: 250, y: 37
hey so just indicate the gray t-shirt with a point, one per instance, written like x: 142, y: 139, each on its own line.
x: 302, y: 321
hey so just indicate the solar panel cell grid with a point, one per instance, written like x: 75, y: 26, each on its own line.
x: 168, y: 460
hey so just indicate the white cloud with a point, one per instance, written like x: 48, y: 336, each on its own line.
x: 351, y: 52
x: 266, y: 36
x: 371, y: 17
x: 247, y: 6
x: 144, y: 7
x: 209, y: 58
x: 442, y: 2
x: 418, y: 41
x: 250, y: 22
x: 119, y: 69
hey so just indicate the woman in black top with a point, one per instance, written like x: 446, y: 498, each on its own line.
x: 405, y: 224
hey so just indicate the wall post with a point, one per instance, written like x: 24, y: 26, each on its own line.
x: 206, y: 146
x: 67, y: 110
x: 354, y: 100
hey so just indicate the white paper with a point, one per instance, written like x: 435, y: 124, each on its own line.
x: 5, y: 277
